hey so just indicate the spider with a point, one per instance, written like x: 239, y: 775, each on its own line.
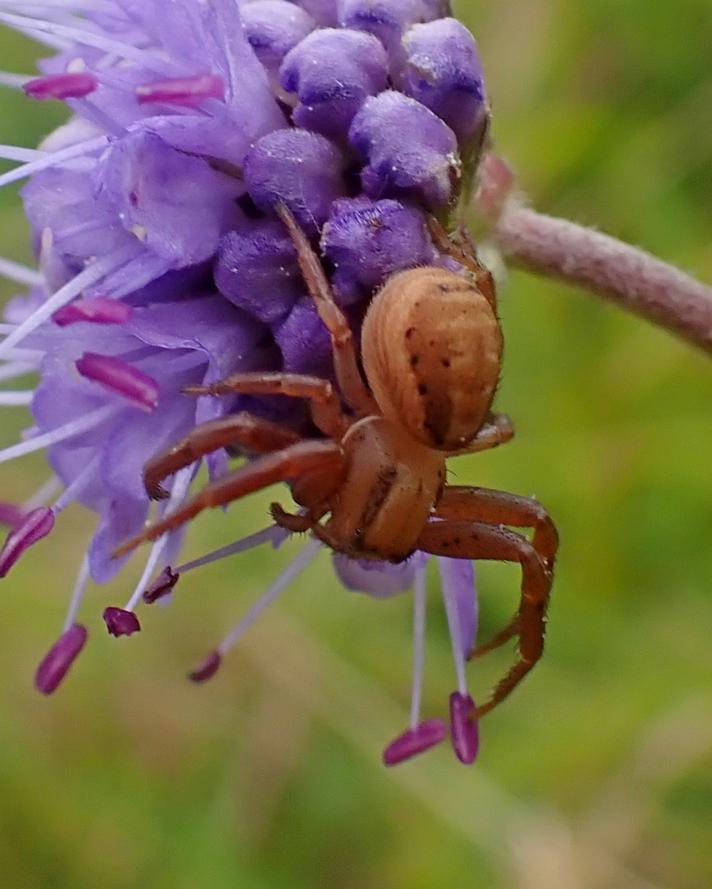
x: 374, y: 485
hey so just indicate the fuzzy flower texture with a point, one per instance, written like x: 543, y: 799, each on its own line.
x: 162, y: 264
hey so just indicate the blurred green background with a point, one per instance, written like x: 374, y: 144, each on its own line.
x: 598, y: 771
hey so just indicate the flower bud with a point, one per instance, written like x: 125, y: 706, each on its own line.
x: 427, y: 170
x: 332, y: 72
x: 301, y: 169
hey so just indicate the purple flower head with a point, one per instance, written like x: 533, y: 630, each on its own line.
x: 163, y: 265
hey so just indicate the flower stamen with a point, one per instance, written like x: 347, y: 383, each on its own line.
x: 54, y: 436
x: 61, y: 86
x: 98, y: 310
x: 34, y: 527
x: 182, y: 90
x: 121, y: 378
x: 296, y: 566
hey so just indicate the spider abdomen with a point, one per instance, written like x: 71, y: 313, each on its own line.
x: 432, y: 350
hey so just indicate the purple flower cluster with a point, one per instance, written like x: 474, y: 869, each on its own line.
x: 162, y: 264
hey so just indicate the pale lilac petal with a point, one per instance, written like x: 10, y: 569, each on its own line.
x: 378, y: 579
x: 458, y: 581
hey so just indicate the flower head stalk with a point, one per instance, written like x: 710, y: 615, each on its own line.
x: 162, y: 264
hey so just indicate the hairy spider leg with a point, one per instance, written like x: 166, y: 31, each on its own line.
x: 462, y: 250
x: 325, y: 404
x: 296, y: 461
x: 501, y: 508
x: 254, y: 433
x: 348, y: 375
x: 496, y: 430
x: 477, y: 540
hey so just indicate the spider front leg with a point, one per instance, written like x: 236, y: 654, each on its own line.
x: 477, y: 540
x: 462, y: 250
x: 325, y: 405
x: 496, y: 430
x: 501, y: 508
x: 346, y: 366
x: 254, y: 433
x: 295, y: 461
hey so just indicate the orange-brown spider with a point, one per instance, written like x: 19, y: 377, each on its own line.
x: 375, y: 487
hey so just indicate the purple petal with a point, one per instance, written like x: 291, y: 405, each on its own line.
x: 98, y: 310
x: 84, y: 224
x: 33, y: 527
x: 174, y: 203
x: 424, y: 736
x: 61, y: 86
x: 121, y: 518
x: 56, y: 663
x: 375, y: 578
x: 458, y: 582
x: 207, y: 669
x: 120, y: 378
x: 430, y: 167
x: 120, y: 622
x: 463, y: 729
x: 162, y: 586
x: 301, y: 169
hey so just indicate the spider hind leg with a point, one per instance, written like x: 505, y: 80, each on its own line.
x: 481, y: 540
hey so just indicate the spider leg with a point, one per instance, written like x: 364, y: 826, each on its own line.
x: 243, y: 429
x: 346, y: 366
x: 297, y: 524
x: 501, y: 508
x: 292, y: 462
x: 496, y: 430
x: 462, y: 250
x: 477, y: 540
x: 325, y: 405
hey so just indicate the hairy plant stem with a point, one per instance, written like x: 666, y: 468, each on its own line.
x: 626, y: 275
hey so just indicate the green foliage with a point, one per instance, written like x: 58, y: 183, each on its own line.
x: 597, y: 771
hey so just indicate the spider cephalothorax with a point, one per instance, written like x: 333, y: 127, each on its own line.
x: 374, y: 485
